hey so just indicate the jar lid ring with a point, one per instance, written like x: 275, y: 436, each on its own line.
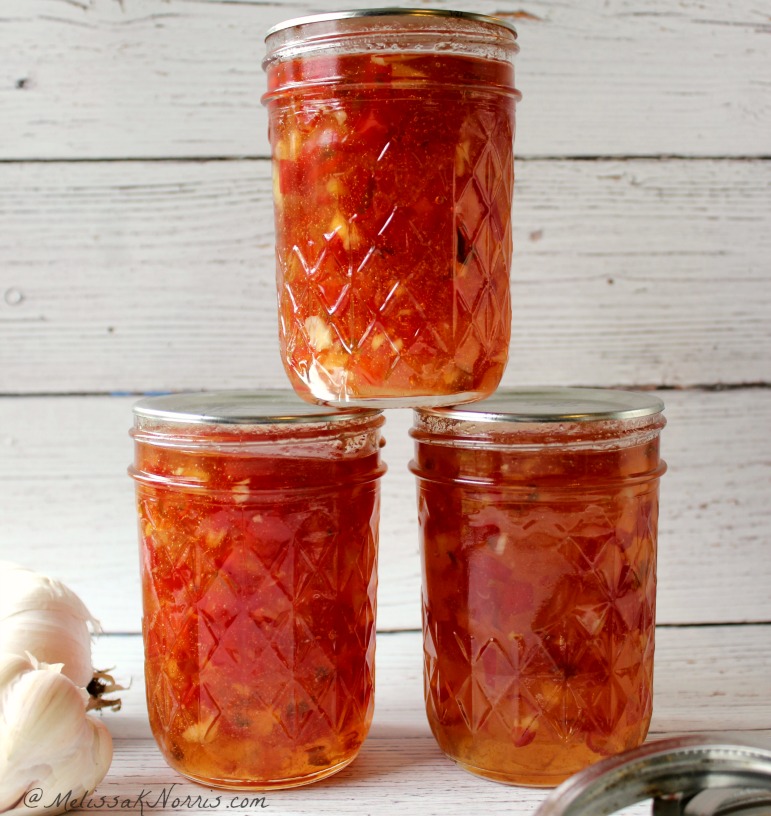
x: 391, y: 12
x: 549, y: 405
x: 241, y: 407
x: 663, y: 768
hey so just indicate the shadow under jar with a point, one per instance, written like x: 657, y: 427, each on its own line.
x: 258, y: 527
x: 538, y: 513
x: 392, y: 141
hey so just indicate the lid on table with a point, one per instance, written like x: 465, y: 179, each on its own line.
x: 267, y: 407
x: 553, y: 405
x: 691, y: 775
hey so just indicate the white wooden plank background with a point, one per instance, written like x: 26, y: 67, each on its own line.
x: 136, y: 254
x: 64, y: 490
x: 145, y: 78
x: 136, y: 276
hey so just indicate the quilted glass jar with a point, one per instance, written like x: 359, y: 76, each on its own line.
x: 392, y: 135
x: 258, y: 528
x: 538, y: 514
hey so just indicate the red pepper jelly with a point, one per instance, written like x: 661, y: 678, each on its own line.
x: 258, y: 527
x: 392, y: 135
x: 538, y: 514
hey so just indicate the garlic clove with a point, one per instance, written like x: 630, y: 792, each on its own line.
x: 64, y: 783
x: 44, y: 617
x: 11, y: 665
x: 54, y: 640
x: 31, y: 590
x: 47, y: 741
x: 41, y: 709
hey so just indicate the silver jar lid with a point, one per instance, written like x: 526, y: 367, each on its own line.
x: 268, y: 407
x: 673, y: 773
x: 391, y: 12
x: 553, y: 405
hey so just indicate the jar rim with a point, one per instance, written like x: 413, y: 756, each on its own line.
x: 391, y: 12
x: 549, y: 405
x: 243, y: 407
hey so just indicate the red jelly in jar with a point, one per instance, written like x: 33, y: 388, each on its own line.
x: 392, y: 137
x: 258, y: 527
x: 538, y: 514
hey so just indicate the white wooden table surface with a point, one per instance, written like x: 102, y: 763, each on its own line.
x: 136, y: 255
x: 713, y: 678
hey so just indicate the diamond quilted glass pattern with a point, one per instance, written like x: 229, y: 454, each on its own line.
x: 259, y: 632
x: 393, y: 254
x: 538, y: 628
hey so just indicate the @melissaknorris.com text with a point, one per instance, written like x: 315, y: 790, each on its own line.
x: 165, y: 799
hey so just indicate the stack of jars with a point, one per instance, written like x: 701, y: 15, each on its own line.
x: 391, y: 134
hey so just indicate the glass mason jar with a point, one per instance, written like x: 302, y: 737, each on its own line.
x: 538, y: 513
x: 392, y: 136
x: 258, y: 528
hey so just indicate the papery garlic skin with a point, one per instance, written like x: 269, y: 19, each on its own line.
x: 42, y: 616
x: 49, y: 746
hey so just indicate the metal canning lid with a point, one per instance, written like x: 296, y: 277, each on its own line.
x: 392, y: 12
x: 680, y: 767
x: 553, y: 405
x: 268, y: 407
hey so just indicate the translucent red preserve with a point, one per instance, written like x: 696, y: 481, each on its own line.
x: 258, y: 555
x: 539, y: 567
x: 393, y: 178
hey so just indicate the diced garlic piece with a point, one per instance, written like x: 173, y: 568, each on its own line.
x: 281, y: 150
x: 338, y: 226
x: 335, y: 187
x: 192, y: 473
x: 330, y: 380
x: 241, y: 491
x: 401, y: 70
x: 288, y: 149
x: 215, y: 537
x: 319, y: 333
x: 462, y: 157
x: 201, y: 732
x: 395, y: 59
x: 341, y: 116
x: 261, y: 722
x: 348, y: 233
x: 278, y: 196
x: 378, y: 341
x: 295, y: 144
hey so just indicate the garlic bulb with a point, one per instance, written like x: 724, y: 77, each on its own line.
x: 50, y: 749
x: 42, y: 616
